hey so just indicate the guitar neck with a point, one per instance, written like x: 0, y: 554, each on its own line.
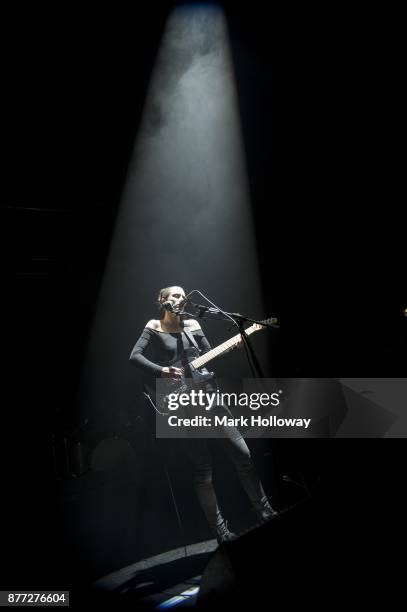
x: 199, y: 362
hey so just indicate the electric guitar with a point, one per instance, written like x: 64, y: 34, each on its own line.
x: 194, y: 373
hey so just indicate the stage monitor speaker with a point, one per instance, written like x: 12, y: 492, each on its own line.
x: 292, y: 558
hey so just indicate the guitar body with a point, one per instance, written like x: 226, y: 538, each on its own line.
x: 192, y: 378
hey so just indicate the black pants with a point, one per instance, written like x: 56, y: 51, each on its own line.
x: 235, y: 447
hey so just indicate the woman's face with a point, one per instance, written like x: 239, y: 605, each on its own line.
x: 176, y: 296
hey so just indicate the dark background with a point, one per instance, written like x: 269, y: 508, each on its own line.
x: 320, y: 101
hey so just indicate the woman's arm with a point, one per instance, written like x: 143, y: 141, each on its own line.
x: 137, y: 357
x: 151, y: 368
x: 202, y: 341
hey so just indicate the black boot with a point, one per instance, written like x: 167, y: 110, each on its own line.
x: 223, y: 534
x: 264, y: 510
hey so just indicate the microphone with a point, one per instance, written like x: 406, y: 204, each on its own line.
x: 203, y: 308
x: 168, y: 306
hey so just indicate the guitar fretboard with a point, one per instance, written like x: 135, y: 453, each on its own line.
x: 222, y: 348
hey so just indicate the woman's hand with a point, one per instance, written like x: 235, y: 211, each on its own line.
x: 173, y: 373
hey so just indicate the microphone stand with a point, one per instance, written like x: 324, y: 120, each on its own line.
x: 254, y: 362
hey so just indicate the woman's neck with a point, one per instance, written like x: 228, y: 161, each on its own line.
x: 171, y: 323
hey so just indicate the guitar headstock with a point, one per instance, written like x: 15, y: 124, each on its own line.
x: 269, y: 321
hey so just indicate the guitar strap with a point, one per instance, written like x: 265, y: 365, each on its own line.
x: 192, y: 340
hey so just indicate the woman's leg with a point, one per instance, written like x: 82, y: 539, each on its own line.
x: 235, y: 446
x: 199, y: 454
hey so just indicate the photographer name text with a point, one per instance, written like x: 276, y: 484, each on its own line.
x: 224, y: 421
